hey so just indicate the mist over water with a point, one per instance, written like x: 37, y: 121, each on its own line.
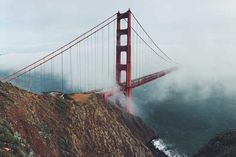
x: 187, y: 112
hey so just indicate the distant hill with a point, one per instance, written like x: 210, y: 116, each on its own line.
x: 223, y: 145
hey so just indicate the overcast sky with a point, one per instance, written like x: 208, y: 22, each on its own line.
x: 190, y: 31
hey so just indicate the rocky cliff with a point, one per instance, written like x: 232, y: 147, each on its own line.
x: 78, y: 125
x: 223, y: 145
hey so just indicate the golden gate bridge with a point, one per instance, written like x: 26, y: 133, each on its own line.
x: 117, y: 55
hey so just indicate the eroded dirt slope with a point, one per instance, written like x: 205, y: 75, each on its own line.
x: 48, y: 126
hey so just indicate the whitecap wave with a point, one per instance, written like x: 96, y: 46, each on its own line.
x: 160, y: 144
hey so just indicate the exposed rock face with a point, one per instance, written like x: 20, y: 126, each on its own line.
x: 223, y: 145
x: 49, y: 126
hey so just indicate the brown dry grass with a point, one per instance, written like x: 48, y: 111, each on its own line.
x: 81, y: 98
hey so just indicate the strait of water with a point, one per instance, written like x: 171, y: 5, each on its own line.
x: 186, y: 119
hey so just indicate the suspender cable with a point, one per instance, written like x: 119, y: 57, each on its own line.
x: 41, y: 59
x: 114, y: 49
x: 86, y: 62
x: 108, y: 51
x: 41, y: 79
x: 91, y: 80
x: 62, y: 74
x: 52, y: 81
x: 30, y: 80
x: 140, y: 57
x: 89, y: 63
x: 151, y: 38
x: 77, y: 65
x: 80, y: 67
x: 95, y: 59
x: 149, y: 45
x: 44, y: 78
x: 102, y: 56
x: 64, y: 50
x: 88, y: 66
x: 136, y: 44
x: 71, y: 71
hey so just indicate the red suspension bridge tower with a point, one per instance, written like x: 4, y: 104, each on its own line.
x: 124, y: 64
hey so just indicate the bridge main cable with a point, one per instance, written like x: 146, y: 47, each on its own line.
x: 8, y: 78
x: 151, y: 38
x: 149, y: 45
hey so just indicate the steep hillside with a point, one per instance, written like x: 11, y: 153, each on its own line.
x: 80, y: 125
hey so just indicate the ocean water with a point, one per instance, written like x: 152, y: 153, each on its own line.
x: 186, y: 118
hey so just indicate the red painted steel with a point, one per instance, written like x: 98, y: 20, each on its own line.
x: 143, y: 80
x: 124, y: 49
